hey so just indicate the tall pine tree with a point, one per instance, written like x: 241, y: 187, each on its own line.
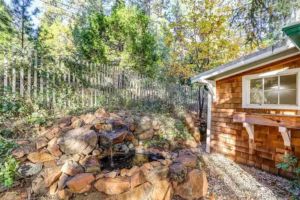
x: 23, y: 20
x: 6, y: 29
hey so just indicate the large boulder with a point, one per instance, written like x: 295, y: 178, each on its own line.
x: 40, y: 157
x: 23, y: 149
x: 101, y: 113
x: 41, y: 142
x: 64, y: 122
x: 187, y: 158
x: 38, y: 186
x: 79, y: 140
x: 141, y: 192
x: 77, y: 122
x: 71, y: 168
x: 91, y: 164
x: 112, y: 186
x: 113, y: 137
x: 137, y: 179
x: 162, y: 190
x: 145, y: 123
x: 88, y: 118
x: 51, y: 175
x: 177, y: 172
x: 81, y: 183
x: 53, y: 132
x: 146, y: 135
x: 30, y: 169
x: 53, y: 147
x: 194, y: 187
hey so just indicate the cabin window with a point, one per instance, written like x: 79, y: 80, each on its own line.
x: 272, y: 90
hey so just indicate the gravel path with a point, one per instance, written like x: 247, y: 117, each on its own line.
x: 229, y: 180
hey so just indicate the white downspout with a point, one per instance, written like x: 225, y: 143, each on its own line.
x: 210, y: 99
x: 208, y: 122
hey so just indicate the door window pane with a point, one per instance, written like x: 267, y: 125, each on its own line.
x: 288, y: 97
x: 271, y: 97
x: 271, y: 83
x: 288, y: 82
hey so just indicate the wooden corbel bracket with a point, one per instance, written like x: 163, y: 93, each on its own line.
x: 286, y: 135
x: 250, y: 130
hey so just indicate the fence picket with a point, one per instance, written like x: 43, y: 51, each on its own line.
x: 90, y: 84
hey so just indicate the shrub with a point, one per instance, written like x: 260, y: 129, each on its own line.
x: 290, y: 164
x: 8, y: 164
x: 12, y: 106
x: 8, y: 171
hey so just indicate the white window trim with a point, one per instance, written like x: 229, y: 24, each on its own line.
x: 246, y: 89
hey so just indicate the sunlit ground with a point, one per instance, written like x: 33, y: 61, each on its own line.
x: 228, y: 180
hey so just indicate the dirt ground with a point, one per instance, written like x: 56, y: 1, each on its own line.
x: 229, y: 180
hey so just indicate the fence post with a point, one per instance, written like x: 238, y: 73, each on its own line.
x: 47, y: 87
x: 35, y: 75
x: 5, y: 81
x: 41, y: 82
x: 14, y: 80
x: 22, y: 81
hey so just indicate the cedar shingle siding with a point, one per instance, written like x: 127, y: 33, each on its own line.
x: 232, y: 139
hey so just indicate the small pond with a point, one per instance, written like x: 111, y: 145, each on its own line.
x: 121, y: 161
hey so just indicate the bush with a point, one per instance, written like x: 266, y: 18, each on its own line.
x: 8, y: 164
x: 8, y: 171
x: 38, y: 118
x: 290, y: 164
x: 12, y: 106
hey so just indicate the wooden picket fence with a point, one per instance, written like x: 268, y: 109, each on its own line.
x: 60, y: 83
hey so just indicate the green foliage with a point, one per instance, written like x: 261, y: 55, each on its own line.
x: 123, y: 37
x: 6, y: 133
x: 290, y: 164
x: 201, y: 38
x: 38, y: 118
x: 6, y: 28
x: 22, y: 11
x: 8, y: 164
x: 261, y: 21
x: 6, y: 147
x: 157, y: 141
x: 8, y: 171
x: 13, y: 106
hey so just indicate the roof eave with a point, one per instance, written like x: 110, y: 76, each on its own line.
x: 271, y: 54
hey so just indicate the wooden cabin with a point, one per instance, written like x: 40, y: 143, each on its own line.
x: 254, y: 107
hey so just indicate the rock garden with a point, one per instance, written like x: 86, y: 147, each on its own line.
x: 112, y: 155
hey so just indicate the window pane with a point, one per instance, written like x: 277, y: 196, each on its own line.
x: 271, y: 97
x: 271, y: 83
x: 288, y: 97
x: 288, y: 82
x: 256, y: 84
x: 256, y: 94
x: 256, y: 97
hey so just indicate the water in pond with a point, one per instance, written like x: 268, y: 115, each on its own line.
x: 120, y: 161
